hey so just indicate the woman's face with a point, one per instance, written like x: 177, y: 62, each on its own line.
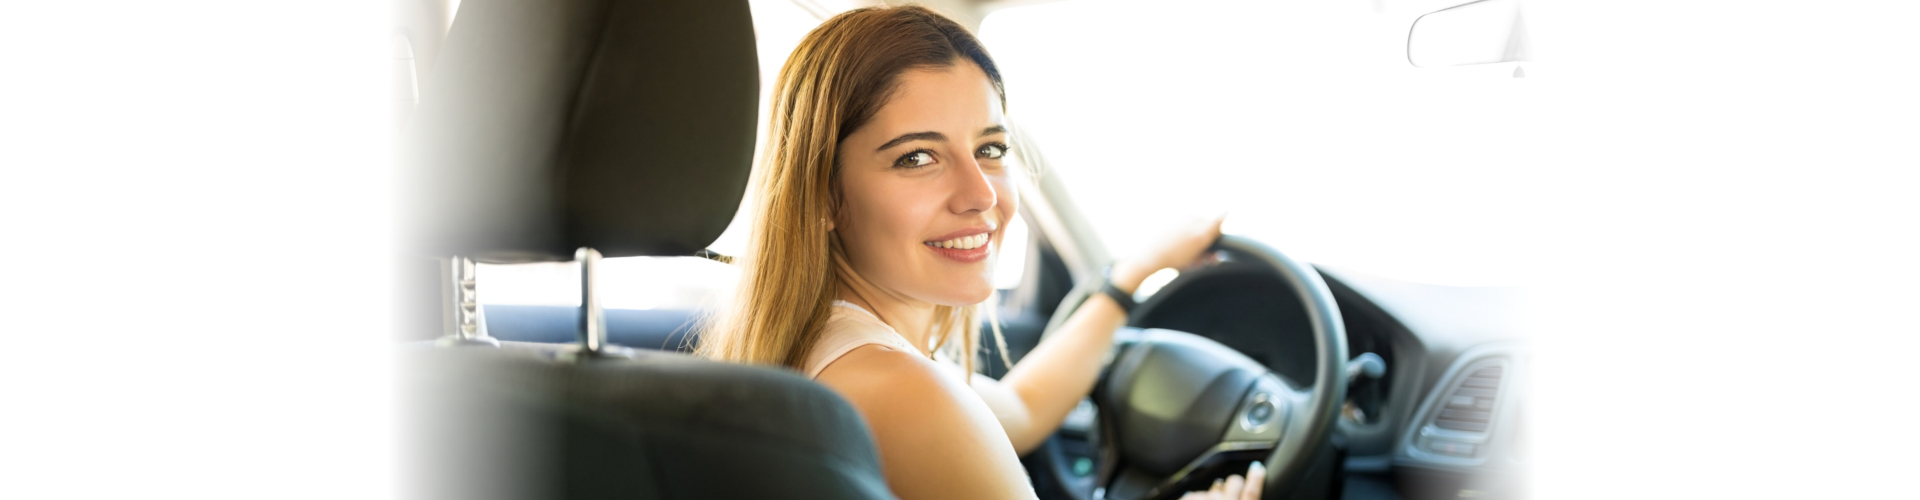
x: 924, y: 192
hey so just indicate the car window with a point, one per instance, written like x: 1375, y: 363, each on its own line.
x: 688, y: 283
x: 1303, y: 120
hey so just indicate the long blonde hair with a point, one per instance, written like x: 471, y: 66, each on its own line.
x: 792, y: 270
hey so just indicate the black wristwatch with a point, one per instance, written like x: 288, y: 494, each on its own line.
x: 1124, y: 299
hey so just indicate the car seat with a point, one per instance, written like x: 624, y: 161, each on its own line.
x: 577, y: 129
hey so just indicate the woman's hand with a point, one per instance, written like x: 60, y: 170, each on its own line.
x: 1234, y: 488
x: 1035, y: 396
x: 1184, y: 247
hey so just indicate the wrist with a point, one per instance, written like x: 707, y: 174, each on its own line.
x: 1127, y: 276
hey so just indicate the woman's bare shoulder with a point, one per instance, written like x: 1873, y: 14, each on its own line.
x: 937, y: 439
x: 887, y: 382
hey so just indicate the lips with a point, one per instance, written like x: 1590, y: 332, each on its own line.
x: 965, y: 246
x: 963, y: 242
x: 963, y: 233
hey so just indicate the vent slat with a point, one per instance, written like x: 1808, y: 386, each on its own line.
x: 1478, y: 393
x: 1470, y: 406
x: 1459, y: 425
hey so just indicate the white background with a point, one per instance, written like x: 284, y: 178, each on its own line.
x: 193, y: 200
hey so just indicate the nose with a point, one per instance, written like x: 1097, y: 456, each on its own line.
x: 973, y: 190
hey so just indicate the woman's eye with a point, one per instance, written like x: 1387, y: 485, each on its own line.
x: 915, y: 159
x: 991, y: 151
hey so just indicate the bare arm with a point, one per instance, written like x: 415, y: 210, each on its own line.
x: 1036, y: 395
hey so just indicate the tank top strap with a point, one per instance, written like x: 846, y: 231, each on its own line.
x: 848, y: 328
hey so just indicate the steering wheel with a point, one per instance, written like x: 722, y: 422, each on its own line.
x: 1175, y: 408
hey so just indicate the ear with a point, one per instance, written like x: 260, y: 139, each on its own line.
x: 834, y: 206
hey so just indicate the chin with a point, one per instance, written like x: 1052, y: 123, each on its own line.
x: 970, y: 294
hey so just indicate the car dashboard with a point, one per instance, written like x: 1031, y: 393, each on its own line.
x: 1444, y: 419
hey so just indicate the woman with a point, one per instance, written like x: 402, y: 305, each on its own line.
x: 881, y: 201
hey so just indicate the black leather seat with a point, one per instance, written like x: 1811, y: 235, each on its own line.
x: 512, y: 423
x: 628, y: 128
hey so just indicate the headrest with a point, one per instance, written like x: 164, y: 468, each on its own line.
x: 551, y: 125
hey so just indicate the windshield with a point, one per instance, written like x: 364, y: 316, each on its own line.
x: 1302, y: 120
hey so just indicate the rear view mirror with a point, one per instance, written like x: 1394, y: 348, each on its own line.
x: 1482, y: 32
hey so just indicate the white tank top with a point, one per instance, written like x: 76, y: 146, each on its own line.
x: 848, y: 328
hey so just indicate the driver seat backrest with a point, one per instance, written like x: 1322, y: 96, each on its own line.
x: 663, y: 425
x: 626, y: 128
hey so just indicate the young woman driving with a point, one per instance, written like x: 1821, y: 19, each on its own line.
x: 880, y: 204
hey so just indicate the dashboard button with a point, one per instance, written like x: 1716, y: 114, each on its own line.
x: 1082, y: 466
x: 1454, y: 448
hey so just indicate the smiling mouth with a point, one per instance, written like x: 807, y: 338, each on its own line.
x: 962, y: 243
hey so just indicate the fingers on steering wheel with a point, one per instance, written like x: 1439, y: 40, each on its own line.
x: 1235, y: 485
x: 1256, y: 481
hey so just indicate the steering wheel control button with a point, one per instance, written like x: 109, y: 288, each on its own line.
x: 1260, y: 413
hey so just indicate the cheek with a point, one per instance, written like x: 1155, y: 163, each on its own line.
x: 1008, y: 193
x: 885, y: 216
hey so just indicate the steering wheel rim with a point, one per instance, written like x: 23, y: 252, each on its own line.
x: 1329, y: 388
x: 1306, y: 414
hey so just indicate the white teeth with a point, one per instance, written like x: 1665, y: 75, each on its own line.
x: 962, y: 243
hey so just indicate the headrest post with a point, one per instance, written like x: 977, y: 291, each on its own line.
x: 593, y: 320
x: 461, y: 308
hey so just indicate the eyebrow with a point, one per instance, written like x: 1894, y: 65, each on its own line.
x: 933, y: 136
x: 916, y: 136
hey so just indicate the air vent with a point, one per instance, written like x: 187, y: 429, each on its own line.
x: 1470, y: 406
x: 1470, y: 411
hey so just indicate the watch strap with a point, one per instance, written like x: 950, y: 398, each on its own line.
x: 1124, y: 299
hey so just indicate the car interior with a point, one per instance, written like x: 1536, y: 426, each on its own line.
x: 586, y: 133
